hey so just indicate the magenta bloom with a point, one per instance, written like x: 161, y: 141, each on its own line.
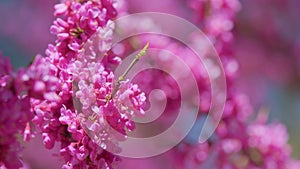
x: 14, y: 116
x: 74, y: 99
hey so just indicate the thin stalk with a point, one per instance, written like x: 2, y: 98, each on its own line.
x: 121, y: 78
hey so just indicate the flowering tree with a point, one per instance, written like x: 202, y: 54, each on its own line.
x: 74, y: 97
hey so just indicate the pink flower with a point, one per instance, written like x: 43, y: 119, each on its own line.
x: 82, y: 119
x: 14, y: 116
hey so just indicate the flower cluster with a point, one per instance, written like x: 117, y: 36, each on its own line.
x: 17, y: 89
x: 11, y: 123
x: 77, y: 22
x: 85, y: 120
x: 104, y: 117
x: 238, y: 142
x: 72, y: 97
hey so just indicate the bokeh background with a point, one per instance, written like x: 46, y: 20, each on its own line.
x: 267, y: 47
